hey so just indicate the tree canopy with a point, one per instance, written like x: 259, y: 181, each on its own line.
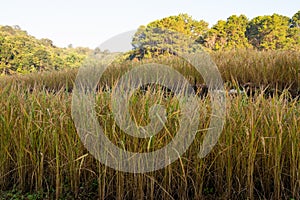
x: 229, y: 34
x: 270, y: 32
x: 296, y: 20
x: 22, y: 53
x: 169, y: 36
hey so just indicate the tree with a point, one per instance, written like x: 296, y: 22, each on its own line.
x: 293, y: 33
x: 268, y: 32
x: 295, y: 21
x: 181, y: 23
x: 169, y: 36
x: 22, y: 53
x: 235, y: 30
x: 41, y: 59
x: 47, y: 42
x: 215, y: 38
x: 229, y: 34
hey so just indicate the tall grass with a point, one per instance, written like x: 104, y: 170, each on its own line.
x: 256, y: 157
x: 276, y: 70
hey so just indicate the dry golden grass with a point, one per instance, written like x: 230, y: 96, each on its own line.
x: 256, y: 157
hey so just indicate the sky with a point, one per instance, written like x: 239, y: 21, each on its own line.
x: 89, y: 23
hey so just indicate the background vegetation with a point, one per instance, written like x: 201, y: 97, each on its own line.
x: 22, y: 53
x: 274, y: 32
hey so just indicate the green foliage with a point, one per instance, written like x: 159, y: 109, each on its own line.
x: 174, y: 35
x: 22, y: 53
x: 293, y: 34
x: 296, y: 20
x: 268, y: 32
x: 169, y: 36
x: 182, y: 23
x: 237, y: 32
x: 228, y: 34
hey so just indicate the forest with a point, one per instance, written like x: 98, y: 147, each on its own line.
x: 23, y: 53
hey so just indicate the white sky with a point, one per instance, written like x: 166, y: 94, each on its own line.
x: 91, y: 22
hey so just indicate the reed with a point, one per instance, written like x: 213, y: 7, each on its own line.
x: 256, y: 157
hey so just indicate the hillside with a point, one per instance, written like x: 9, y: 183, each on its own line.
x: 23, y: 53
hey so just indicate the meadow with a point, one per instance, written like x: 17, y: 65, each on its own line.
x: 256, y: 157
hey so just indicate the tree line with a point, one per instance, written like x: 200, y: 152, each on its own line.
x: 269, y: 32
x: 23, y: 53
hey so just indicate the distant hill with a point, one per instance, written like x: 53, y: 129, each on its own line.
x: 23, y: 53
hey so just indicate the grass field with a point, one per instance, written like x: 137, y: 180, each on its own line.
x: 256, y: 157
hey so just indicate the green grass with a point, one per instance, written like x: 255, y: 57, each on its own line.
x: 256, y: 157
